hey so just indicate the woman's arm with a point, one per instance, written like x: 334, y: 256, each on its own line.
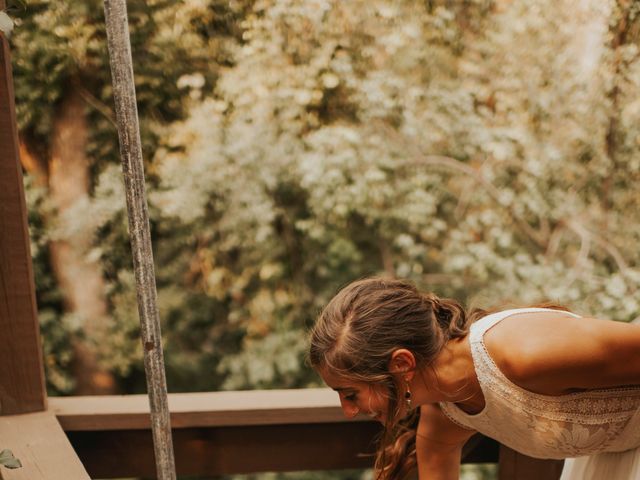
x: 439, y: 444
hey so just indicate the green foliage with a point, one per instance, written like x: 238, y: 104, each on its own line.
x: 353, y: 152
x: 57, y: 328
x: 58, y: 47
x: 61, y: 45
x: 479, y: 472
x: 488, y: 151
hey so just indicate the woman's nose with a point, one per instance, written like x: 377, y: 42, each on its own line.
x: 349, y: 409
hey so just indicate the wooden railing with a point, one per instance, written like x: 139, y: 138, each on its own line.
x: 214, y: 433
x: 243, y: 432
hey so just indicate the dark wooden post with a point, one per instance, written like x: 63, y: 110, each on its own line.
x: 22, y: 387
x: 516, y: 466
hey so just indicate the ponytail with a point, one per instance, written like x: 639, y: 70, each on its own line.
x: 451, y: 318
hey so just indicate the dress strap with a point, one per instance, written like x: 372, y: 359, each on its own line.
x: 479, y: 328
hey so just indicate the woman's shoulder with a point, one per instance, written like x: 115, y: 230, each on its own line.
x: 554, y: 352
x: 489, y: 321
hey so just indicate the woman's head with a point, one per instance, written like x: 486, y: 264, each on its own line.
x: 367, y: 321
x: 357, y: 334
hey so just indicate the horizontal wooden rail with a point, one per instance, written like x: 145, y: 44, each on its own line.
x: 210, y: 409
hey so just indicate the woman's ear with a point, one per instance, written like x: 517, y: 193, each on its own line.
x: 403, y: 362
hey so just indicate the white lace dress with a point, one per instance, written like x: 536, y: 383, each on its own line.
x: 598, y: 431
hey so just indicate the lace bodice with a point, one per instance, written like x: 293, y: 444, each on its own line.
x: 544, y: 426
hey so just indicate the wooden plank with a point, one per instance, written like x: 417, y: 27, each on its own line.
x: 22, y: 386
x: 210, y: 451
x: 42, y: 447
x: 256, y: 407
x: 514, y: 465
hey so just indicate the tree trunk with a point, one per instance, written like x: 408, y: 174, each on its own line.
x: 80, y: 279
x: 33, y: 164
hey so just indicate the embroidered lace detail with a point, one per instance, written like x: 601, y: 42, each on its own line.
x: 446, y: 409
x: 592, y: 407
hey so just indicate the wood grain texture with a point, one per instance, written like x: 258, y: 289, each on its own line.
x: 22, y: 374
x: 258, y: 407
x: 117, y: 26
x: 38, y: 441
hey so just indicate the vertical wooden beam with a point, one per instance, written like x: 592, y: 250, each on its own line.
x: 22, y: 387
x: 516, y: 466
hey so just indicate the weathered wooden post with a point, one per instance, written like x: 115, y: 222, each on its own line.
x: 132, y: 166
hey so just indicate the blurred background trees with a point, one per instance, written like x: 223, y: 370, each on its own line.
x: 487, y: 149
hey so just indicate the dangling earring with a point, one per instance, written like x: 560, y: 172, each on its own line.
x: 407, y: 396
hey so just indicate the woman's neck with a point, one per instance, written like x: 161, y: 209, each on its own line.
x: 451, y: 377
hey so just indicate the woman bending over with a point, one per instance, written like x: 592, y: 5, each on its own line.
x: 542, y: 381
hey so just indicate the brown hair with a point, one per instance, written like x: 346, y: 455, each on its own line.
x: 360, y: 328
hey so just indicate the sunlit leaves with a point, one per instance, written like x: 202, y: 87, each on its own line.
x: 488, y: 151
